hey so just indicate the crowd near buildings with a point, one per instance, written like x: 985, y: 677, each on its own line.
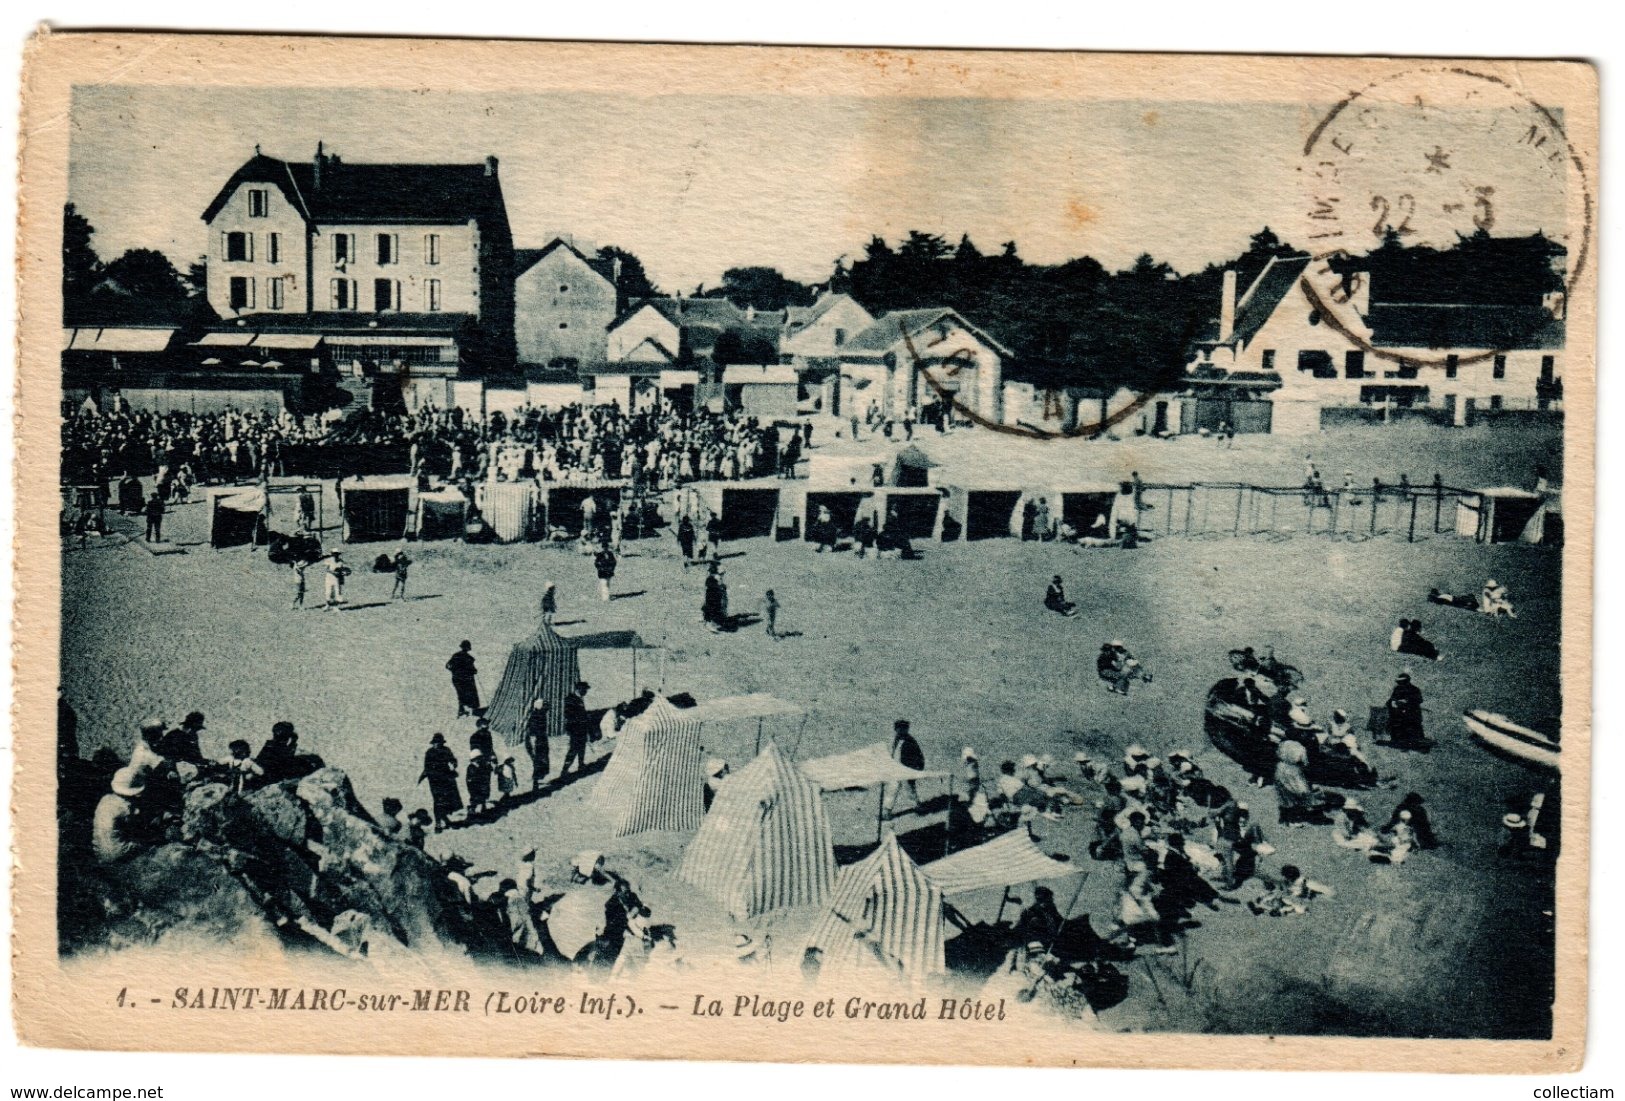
x: 333, y: 281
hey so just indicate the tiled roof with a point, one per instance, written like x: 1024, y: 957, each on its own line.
x: 427, y: 194
x: 889, y: 328
x: 526, y: 258
x: 1260, y: 300
x: 1437, y: 326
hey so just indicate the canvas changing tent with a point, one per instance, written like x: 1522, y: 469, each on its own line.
x: 543, y: 665
x: 514, y: 511
x: 1006, y: 860
x: 234, y: 516
x: 655, y: 780
x: 375, y: 508
x: 766, y: 844
x: 1502, y: 515
x: 442, y: 514
x: 886, y: 916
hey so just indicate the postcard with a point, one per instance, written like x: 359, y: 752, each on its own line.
x: 804, y: 554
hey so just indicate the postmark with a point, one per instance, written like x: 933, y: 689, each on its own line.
x: 1437, y: 158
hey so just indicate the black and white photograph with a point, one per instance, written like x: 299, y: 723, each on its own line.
x: 939, y: 546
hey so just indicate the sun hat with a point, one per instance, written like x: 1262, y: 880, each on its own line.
x: 128, y: 783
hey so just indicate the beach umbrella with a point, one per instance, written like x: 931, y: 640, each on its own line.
x: 250, y: 363
x: 272, y: 363
x: 211, y: 362
x: 577, y: 919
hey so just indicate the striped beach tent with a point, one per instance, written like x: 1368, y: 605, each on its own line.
x: 543, y: 665
x: 655, y: 780
x: 1002, y: 862
x: 765, y: 844
x: 886, y: 915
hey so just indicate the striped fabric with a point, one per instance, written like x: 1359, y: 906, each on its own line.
x: 1009, y: 859
x: 766, y: 844
x: 886, y: 915
x: 655, y: 780
x: 543, y: 665
x: 868, y: 767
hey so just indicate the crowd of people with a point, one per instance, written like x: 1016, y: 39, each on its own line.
x: 654, y: 449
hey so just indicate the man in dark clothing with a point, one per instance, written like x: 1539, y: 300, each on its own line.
x: 463, y: 672
x: 1405, y: 716
x: 863, y: 534
x: 906, y: 751
x: 685, y: 539
x: 713, y: 536
x: 536, y: 722
x: 181, y: 743
x: 603, y: 563
x: 577, y: 727
x: 155, y: 518
x: 714, y: 610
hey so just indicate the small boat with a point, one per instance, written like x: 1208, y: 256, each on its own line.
x: 1235, y: 731
x: 1505, y: 737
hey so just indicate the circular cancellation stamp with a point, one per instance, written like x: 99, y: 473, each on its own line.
x: 1433, y: 157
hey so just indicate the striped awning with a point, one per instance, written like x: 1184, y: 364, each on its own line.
x: 117, y: 340
x: 1006, y: 860
x: 868, y: 767
x: 757, y: 705
x: 655, y: 780
x: 886, y: 917
x: 224, y: 340
x: 765, y: 845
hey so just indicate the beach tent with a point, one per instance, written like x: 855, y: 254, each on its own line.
x: 1502, y: 515
x: 990, y: 512
x: 375, y: 508
x: 565, y: 500
x: 234, y: 516
x: 749, y: 511
x: 872, y: 766
x: 886, y: 916
x: 867, y: 767
x: 442, y: 514
x: 1087, y: 507
x: 514, y: 511
x: 766, y: 844
x: 912, y: 467
x: 911, y: 513
x: 655, y: 780
x: 733, y: 709
x: 543, y: 665
x: 1002, y: 862
x: 843, y: 505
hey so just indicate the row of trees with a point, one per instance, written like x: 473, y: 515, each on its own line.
x: 139, y: 285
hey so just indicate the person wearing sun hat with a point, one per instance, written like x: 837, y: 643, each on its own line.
x: 115, y: 832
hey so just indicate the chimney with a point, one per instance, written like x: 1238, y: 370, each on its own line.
x: 316, y: 166
x: 1227, y: 306
x: 490, y: 166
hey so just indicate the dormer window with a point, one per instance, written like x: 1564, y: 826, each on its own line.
x: 259, y: 202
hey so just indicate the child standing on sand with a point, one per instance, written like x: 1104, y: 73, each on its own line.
x: 770, y: 610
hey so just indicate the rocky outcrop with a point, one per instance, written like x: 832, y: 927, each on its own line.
x: 301, y: 862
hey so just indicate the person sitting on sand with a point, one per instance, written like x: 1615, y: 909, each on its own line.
x: 1119, y: 668
x: 1495, y: 601
x: 1351, y: 829
x: 1290, y: 895
x: 1408, y: 640
x: 1055, y: 598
